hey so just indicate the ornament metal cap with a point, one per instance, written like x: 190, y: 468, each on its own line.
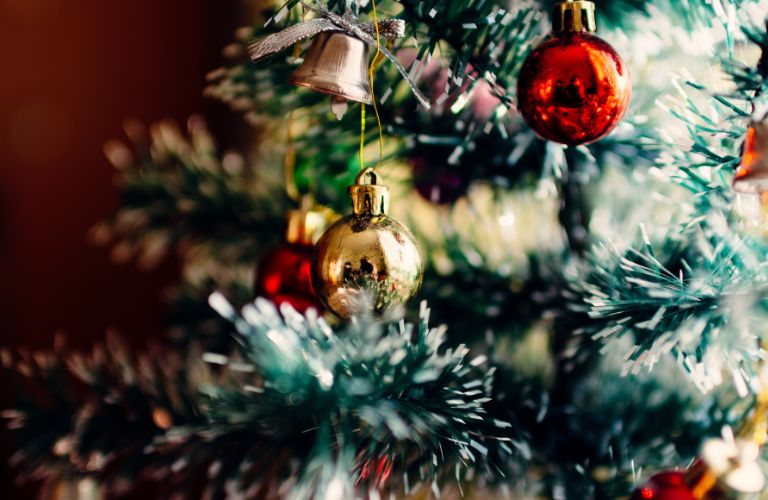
x: 578, y: 15
x: 306, y: 224
x: 752, y: 174
x: 369, y: 197
x: 335, y: 64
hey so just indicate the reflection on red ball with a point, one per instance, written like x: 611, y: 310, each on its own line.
x: 283, y: 276
x: 573, y: 89
x: 664, y: 486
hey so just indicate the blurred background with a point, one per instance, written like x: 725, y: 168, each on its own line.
x: 72, y: 72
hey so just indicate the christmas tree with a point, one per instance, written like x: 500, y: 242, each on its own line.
x: 598, y: 263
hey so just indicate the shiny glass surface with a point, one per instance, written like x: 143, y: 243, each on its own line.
x: 669, y: 485
x: 362, y: 254
x: 284, y: 275
x: 573, y: 89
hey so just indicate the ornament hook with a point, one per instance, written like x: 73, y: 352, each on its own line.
x: 368, y: 196
x: 368, y: 174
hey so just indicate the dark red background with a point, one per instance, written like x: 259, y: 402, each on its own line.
x: 70, y: 73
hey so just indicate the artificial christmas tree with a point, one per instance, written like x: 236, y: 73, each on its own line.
x: 605, y: 310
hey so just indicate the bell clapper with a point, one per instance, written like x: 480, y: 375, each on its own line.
x: 339, y: 106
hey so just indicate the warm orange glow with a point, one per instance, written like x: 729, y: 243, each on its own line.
x: 749, y: 155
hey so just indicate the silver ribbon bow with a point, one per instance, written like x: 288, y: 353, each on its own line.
x: 328, y: 21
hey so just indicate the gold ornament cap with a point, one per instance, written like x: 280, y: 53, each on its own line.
x: 574, y: 15
x: 307, y: 223
x: 369, y: 197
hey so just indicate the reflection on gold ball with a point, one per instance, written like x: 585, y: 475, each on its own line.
x: 364, y: 256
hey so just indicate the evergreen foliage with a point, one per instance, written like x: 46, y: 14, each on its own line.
x: 578, y: 334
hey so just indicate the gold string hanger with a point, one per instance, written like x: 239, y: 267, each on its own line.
x: 371, y: 70
x: 574, y: 15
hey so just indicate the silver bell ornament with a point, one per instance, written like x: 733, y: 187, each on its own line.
x: 335, y: 64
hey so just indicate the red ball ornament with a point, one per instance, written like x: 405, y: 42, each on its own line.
x: 284, y: 272
x: 284, y: 276
x: 574, y: 88
x: 670, y: 485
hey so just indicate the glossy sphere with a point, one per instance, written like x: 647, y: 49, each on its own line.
x: 366, y: 255
x: 284, y: 276
x: 573, y: 89
x: 664, y: 486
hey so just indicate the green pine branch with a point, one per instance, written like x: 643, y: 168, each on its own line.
x: 297, y: 402
x: 179, y: 191
x: 699, y: 292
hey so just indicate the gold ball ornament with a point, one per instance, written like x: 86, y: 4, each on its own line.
x: 366, y: 257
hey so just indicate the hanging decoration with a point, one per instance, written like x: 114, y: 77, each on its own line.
x: 750, y: 182
x: 752, y: 174
x: 366, y: 258
x: 668, y: 485
x: 283, y: 274
x: 727, y: 467
x: 574, y: 88
x: 367, y: 262
x: 332, y: 64
x: 335, y: 64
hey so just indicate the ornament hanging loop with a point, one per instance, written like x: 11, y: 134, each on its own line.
x: 368, y: 196
x: 367, y: 176
x: 574, y: 15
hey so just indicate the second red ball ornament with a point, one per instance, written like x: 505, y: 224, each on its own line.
x: 283, y: 274
x: 669, y: 485
x: 574, y: 88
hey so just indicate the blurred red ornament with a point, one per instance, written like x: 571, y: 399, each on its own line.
x: 283, y: 276
x: 670, y: 485
x: 574, y: 88
x: 284, y: 272
x: 752, y: 174
x: 376, y: 471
